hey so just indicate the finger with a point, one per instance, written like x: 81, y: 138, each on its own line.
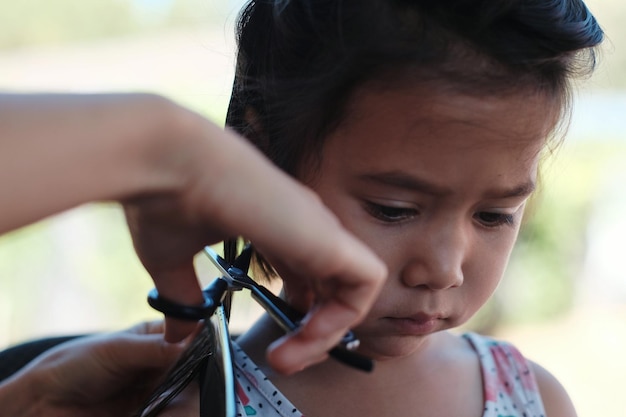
x: 326, y: 251
x: 179, y: 285
x: 291, y: 354
x: 351, y: 279
x: 344, y: 300
x: 177, y: 330
x: 148, y: 351
x: 148, y: 327
x: 321, y: 330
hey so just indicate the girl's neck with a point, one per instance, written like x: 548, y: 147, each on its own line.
x: 421, y: 377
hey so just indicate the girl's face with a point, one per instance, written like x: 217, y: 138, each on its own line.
x: 436, y: 184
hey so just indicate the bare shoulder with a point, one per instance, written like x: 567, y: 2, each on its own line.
x: 555, y: 399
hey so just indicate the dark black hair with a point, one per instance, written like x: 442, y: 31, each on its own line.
x: 299, y: 63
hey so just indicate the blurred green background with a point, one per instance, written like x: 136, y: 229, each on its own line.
x: 563, y: 300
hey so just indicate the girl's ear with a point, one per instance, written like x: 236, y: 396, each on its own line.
x: 255, y: 131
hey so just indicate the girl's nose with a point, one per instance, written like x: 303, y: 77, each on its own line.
x: 436, y: 260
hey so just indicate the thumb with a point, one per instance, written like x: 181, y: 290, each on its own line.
x: 143, y: 351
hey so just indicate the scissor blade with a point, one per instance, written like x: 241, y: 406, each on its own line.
x: 243, y: 260
x: 220, y: 263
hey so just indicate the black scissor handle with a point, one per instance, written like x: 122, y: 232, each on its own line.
x: 213, y: 295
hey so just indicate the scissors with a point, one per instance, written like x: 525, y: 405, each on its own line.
x: 217, y: 380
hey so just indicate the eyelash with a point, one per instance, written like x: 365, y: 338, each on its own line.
x: 390, y: 214
x: 496, y: 219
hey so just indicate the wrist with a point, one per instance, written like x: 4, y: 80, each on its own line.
x: 167, y: 148
x: 183, y: 153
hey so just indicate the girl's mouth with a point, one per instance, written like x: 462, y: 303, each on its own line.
x: 416, y: 325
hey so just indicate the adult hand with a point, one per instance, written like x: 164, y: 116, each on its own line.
x: 102, y: 375
x: 184, y: 183
x: 234, y: 190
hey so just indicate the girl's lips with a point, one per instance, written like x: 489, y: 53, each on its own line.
x: 416, y: 325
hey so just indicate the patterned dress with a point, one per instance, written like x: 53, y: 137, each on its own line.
x: 509, y: 385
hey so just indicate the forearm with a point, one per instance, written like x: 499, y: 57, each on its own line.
x: 59, y: 151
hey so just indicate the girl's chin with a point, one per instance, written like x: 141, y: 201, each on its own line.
x: 393, y: 347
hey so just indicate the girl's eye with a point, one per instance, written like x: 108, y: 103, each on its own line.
x: 491, y: 219
x: 390, y: 214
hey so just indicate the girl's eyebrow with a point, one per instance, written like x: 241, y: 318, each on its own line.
x: 411, y: 183
x: 522, y: 190
x: 401, y: 180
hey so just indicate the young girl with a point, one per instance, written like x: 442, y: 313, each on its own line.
x: 421, y: 125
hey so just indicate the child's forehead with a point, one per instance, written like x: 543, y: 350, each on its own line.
x: 460, y: 143
x: 427, y: 126
x: 520, y: 114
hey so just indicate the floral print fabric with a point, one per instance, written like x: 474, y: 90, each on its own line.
x: 509, y: 385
